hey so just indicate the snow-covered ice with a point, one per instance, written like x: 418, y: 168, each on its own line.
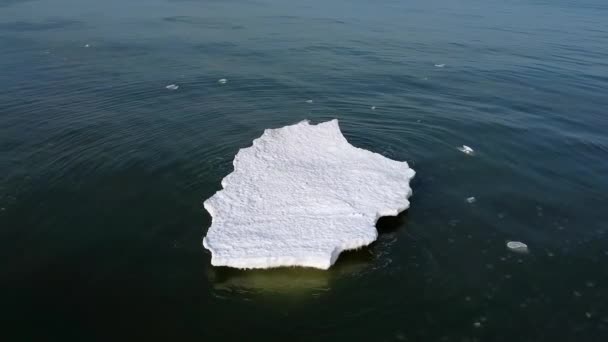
x: 172, y: 87
x: 517, y: 246
x: 466, y: 149
x: 299, y: 196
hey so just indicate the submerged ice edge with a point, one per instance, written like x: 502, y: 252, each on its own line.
x: 316, y: 259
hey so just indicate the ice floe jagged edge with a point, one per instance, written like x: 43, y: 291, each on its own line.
x: 289, y: 261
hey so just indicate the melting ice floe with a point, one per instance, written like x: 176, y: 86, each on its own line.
x: 466, y: 149
x: 517, y: 246
x: 300, y: 196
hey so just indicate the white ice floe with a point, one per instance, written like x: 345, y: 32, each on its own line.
x: 87, y: 45
x: 222, y: 81
x: 373, y: 107
x: 172, y: 87
x: 309, y: 101
x: 466, y: 149
x: 440, y: 65
x: 299, y: 196
x: 471, y: 200
x: 517, y: 246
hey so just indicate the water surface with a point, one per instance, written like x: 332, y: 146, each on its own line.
x: 103, y: 170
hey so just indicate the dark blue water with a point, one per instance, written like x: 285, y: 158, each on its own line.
x: 103, y: 171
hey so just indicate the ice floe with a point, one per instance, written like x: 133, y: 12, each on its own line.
x: 471, y: 200
x: 299, y: 196
x: 517, y: 246
x: 309, y: 101
x: 222, y: 81
x: 172, y: 87
x: 440, y: 65
x: 466, y: 149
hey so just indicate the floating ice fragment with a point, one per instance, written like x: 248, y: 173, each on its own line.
x: 86, y: 45
x: 466, y: 150
x: 440, y: 65
x: 222, y: 81
x: 172, y: 87
x: 373, y: 107
x: 471, y: 200
x: 299, y: 196
x: 309, y: 101
x: 517, y: 246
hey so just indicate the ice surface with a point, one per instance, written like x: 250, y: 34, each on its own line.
x: 440, y: 65
x: 300, y: 196
x: 172, y: 87
x: 471, y: 200
x: 309, y: 101
x: 222, y: 81
x: 466, y: 149
x: 517, y: 246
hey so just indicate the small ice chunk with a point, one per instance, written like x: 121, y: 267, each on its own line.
x: 309, y: 101
x: 440, y: 65
x: 471, y: 200
x: 477, y: 324
x: 172, y: 87
x: 87, y: 45
x: 299, y: 196
x: 517, y: 246
x: 373, y: 107
x: 466, y: 150
x: 222, y: 81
